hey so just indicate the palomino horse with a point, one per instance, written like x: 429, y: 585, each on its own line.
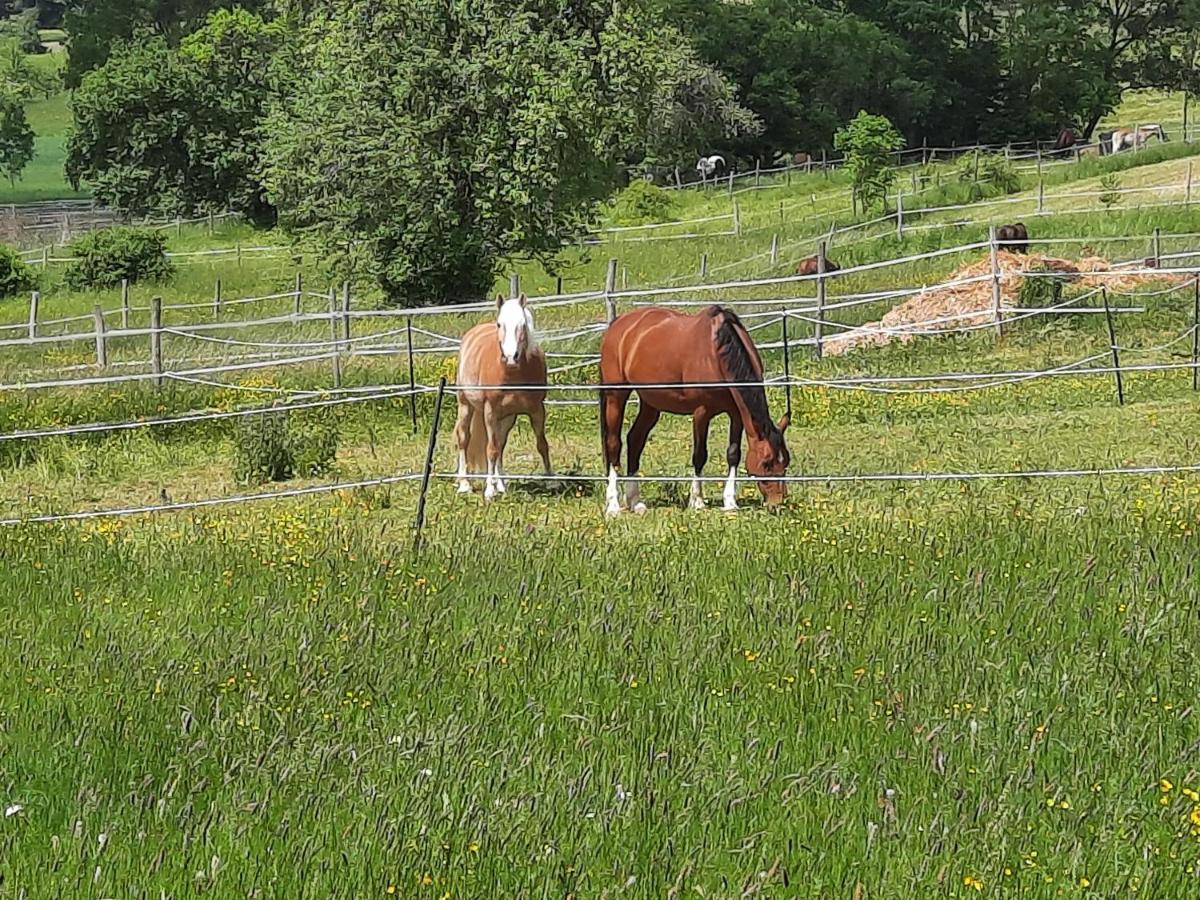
x: 496, y: 357
x: 670, y: 359
x: 1130, y: 138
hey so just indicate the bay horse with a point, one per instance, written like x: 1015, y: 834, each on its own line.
x: 651, y: 350
x: 1014, y: 238
x: 811, y: 266
x: 492, y: 357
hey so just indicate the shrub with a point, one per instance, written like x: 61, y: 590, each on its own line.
x: 1111, y: 185
x: 103, y: 258
x: 15, y: 276
x: 641, y: 204
x: 1041, y: 292
x: 271, y: 447
x: 989, y: 174
x: 868, y: 142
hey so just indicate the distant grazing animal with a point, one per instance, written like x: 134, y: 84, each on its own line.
x: 711, y: 167
x: 808, y: 266
x: 1014, y: 238
x: 652, y: 349
x: 1112, y: 142
x: 493, y: 357
x: 1066, y: 140
x: 794, y: 160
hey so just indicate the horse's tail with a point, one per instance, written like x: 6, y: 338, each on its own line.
x: 477, y: 445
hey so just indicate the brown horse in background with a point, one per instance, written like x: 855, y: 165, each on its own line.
x: 651, y: 351
x: 493, y: 356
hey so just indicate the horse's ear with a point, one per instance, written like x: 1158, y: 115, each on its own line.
x: 785, y: 421
x: 524, y: 301
x: 499, y: 301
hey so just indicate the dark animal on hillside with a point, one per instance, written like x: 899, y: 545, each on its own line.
x: 809, y: 266
x: 1014, y: 238
x: 1066, y: 140
x: 792, y: 159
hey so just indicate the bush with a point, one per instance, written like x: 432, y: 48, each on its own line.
x: 989, y: 174
x: 1041, y: 292
x: 103, y: 258
x: 642, y: 204
x: 271, y: 447
x: 15, y: 276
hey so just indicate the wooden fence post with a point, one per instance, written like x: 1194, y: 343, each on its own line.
x: 787, y: 364
x: 900, y: 215
x: 1188, y: 195
x: 624, y: 278
x: 703, y: 265
x: 737, y: 218
x: 34, y: 301
x: 101, y: 340
x: 336, y: 356
x: 514, y: 286
x: 124, y: 303
x: 1112, y: 343
x: 428, y: 470
x: 757, y: 172
x: 211, y: 223
x: 45, y: 258
x: 298, y: 308
x: 1186, y: 95
x: 730, y: 184
x: 217, y: 298
x: 346, y: 317
x: 156, y: 363
x: 558, y: 289
x: 412, y: 378
x: 239, y: 254
x: 1039, y: 163
x: 925, y: 150
x: 1041, y: 207
x: 819, y: 325
x: 994, y: 252
x: 1156, y: 247
x: 179, y: 226
x: 774, y: 249
x: 610, y: 287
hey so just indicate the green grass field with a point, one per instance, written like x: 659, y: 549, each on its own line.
x: 886, y: 689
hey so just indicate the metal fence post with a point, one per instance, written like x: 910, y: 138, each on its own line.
x: 1112, y: 343
x: 427, y: 472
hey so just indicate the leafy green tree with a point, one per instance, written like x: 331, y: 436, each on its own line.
x: 16, y: 137
x: 177, y: 130
x: 869, y: 142
x: 424, y: 142
x: 96, y: 27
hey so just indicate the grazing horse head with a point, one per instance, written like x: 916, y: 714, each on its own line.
x: 767, y: 455
x: 514, y: 329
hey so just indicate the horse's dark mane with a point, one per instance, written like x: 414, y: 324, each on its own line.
x: 739, y: 366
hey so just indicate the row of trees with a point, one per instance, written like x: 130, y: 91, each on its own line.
x: 419, y: 141
x: 965, y: 71
x: 423, y: 141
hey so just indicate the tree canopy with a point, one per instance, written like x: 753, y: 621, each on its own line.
x: 428, y: 141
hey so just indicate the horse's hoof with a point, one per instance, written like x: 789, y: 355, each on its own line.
x: 489, y: 495
x: 464, y: 487
x: 698, y: 503
x: 639, y: 508
x: 613, y: 510
x: 500, y: 489
x: 731, y: 506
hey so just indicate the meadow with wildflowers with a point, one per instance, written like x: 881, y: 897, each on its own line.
x: 956, y: 688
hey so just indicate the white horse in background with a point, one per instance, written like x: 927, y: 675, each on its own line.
x: 1135, y: 138
x: 497, y: 363
x: 710, y: 167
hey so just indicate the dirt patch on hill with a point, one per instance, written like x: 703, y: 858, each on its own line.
x: 965, y: 307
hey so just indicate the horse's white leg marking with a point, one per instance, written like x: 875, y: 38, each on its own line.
x: 464, y: 483
x: 633, y: 495
x: 612, y: 495
x: 731, y: 490
x: 697, y: 501
x: 489, y: 492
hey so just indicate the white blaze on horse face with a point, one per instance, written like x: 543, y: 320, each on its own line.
x: 514, y: 324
